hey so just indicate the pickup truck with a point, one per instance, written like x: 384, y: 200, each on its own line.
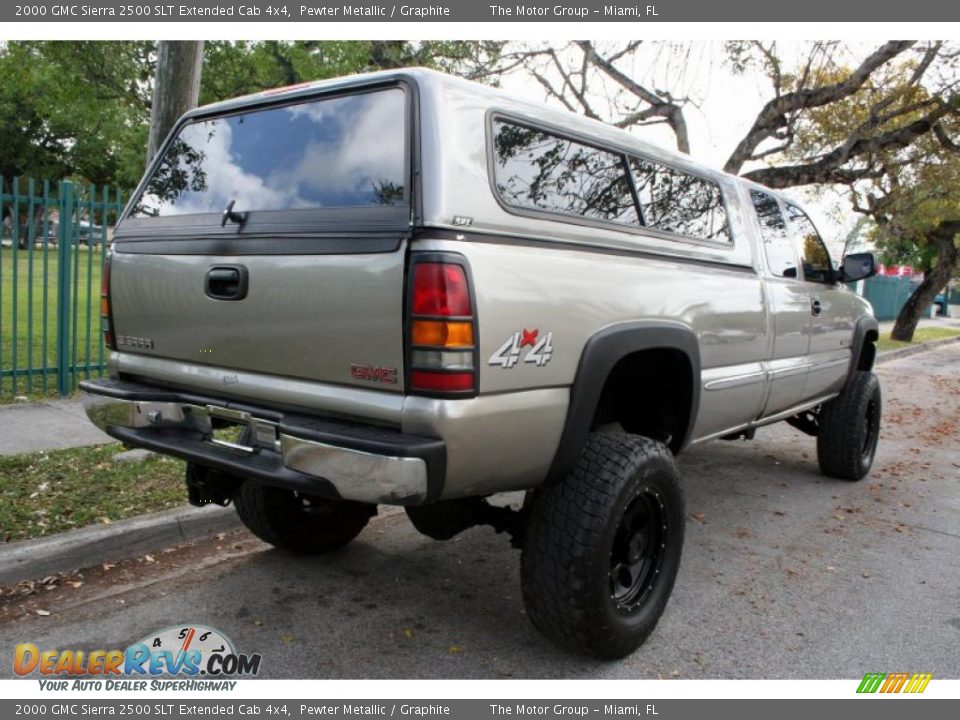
x: 403, y: 288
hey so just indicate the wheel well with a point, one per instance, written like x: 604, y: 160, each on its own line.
x: 868, y: 353
x: 649, y: 393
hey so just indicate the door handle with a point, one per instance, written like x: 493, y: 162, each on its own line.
x: 815, y: 306
x: 226, y: 282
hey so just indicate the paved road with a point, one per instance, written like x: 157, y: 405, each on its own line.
x: 786, y: 574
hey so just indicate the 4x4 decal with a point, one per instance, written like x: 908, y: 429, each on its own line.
x: 540, y: 352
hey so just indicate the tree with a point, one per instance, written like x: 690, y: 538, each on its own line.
x: 918, y: 223
x: 74, y: 109
x: 176, y: 87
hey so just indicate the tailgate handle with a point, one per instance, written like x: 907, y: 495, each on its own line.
x: 226, y: 282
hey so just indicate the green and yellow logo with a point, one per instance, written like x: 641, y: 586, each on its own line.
x: 894, y: 682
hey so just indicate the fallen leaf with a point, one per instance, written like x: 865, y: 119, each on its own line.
x: 108, y: 566
x: 43, y: 613
x: 408, y: 633
x: 76, y: 583
x: 865, y: 574
x: 149, y: 558
x: 779, y: 512
x: 698, y: 516
x: 454, y: 649
x: 287, y: 638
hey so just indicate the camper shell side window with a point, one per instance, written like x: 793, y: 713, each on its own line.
x: 542, y: 171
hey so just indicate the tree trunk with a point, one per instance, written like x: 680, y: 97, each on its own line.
x: 933, y: 282
x: 176, y: 87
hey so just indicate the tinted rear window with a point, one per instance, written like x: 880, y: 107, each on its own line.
x: 345, y: 151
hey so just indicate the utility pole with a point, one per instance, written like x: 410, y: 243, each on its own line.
x: 176, y: 87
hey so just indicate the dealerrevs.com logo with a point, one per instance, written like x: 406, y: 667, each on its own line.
x: 188, y: 652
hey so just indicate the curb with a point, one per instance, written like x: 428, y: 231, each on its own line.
x: 90, y: 546
x: 889, y: 355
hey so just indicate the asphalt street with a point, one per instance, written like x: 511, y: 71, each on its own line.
x: 785, y: 574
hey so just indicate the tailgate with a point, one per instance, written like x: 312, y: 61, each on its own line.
x: 269, y: 236
x: 314, y: 317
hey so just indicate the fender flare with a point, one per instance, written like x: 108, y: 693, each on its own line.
x: 864, y: 325
x: 600, y: 355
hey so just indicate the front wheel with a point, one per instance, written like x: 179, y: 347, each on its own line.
x: 300, y: 523
x: 603, y: 546
x: 850, y: 428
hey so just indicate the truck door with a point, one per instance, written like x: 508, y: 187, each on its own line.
x: 789, y: 302
x: 831, y: 306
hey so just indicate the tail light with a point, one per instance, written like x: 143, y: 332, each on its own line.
x: 106, y: 312
x: 442, y: 326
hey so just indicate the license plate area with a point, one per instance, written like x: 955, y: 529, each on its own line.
x: 240, y: 431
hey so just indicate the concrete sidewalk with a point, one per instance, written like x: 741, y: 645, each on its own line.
x: 57, y: 424
x: 48, y: 425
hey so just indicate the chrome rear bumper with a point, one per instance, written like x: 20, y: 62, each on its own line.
x: 312, y: 455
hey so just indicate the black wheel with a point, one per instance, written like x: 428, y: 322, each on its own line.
x: 603, y: 546
x: 300, y: 523
x: 850, y: 428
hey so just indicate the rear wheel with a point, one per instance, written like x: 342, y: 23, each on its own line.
x: 603, y: 546
x: 850, y: 428
x: 300, y: 523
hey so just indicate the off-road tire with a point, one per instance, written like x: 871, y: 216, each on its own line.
x: 850, y: 428
x: 299, y: 523
x: 569, y: 561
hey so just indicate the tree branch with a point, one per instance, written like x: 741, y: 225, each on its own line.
x: 659, y: 106
x: 774, y: 115
x: 828, y: 168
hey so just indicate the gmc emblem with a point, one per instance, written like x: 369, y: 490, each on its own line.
x: 374, y: 374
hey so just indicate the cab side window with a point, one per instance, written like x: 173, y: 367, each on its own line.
x: 813, y: 252
x: 777, y: 244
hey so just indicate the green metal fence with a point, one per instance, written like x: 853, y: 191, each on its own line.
x: 53, y: 246
x: 889, y: 293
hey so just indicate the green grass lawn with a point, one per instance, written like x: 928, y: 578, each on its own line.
x: 29, y: 286
x: 49, y: 492
x: 921, y: 335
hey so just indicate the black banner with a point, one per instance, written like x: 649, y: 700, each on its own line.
x: 578, y: 11
x: 853, y: 709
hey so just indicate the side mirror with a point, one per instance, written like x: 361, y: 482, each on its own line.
x: 858, y: 266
